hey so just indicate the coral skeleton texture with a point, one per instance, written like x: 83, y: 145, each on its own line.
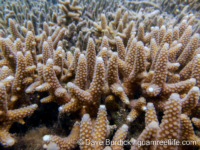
x: 129, y: 66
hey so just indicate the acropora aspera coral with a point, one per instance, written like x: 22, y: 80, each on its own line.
x: 104, y: 69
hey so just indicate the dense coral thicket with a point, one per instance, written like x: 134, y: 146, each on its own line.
x: 107, y: 65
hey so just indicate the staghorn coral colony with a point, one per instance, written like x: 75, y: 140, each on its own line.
x: 93, y: 74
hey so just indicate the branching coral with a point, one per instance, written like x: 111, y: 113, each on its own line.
x: 57, y: 93
x: 94, y: 137
x: 70, y: 142
x: 121, y: 58
x: 71, y: 12
x: 10, y: 116
x: 92, y: 96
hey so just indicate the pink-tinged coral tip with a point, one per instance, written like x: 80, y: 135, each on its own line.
x: 177, y: 64
x: 34, y: 106
x: 52, y: 146
x: 5, y: 67
x: 104, y: 48
x: 175, y: 96
x: 144, y: 108
x: 153, y: 124
x: 150, y: 89
x: 195, y: 88
x: 10, y: 141
x: 193, y: 80
x: 46, y: 138
x: 81, y: 55
x: 102, y: 106
x: 19, y: 53
x: 60, y: 108
x: 99, y: 59
x: 125, y: 127
x: 149, y: 104
x: 50, y: 60
x: 194, y: 119
x: 69, y: 84
x: 85, y: 117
